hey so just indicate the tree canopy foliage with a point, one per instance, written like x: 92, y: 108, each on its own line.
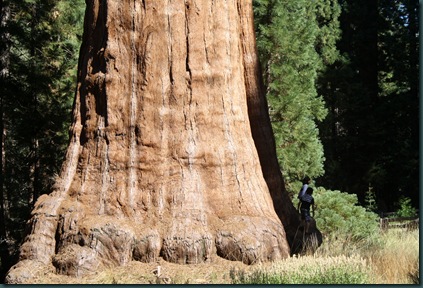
x: 38, y: 59
x: 296, y: 41
x: 371, y: 132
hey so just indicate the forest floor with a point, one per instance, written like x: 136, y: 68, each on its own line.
x: 217, y: 271
x: 392, y: 260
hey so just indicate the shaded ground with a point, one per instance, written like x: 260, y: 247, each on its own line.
x: 215, y: 272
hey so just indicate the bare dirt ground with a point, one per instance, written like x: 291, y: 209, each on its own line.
x: 160, y: 272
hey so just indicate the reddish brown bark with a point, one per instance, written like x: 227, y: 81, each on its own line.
x: 172, y: 153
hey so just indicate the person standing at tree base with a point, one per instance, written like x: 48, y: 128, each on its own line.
x: 306, y: 182
x: 307, y: 202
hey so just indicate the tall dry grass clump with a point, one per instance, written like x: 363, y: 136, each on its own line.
x: 349, y: 229
x: 392, y: 255
x: 397, y: 261
x: 308, y: 270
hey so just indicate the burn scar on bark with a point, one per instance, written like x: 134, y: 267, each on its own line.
x: 187, y: 68
x: 170, y: 51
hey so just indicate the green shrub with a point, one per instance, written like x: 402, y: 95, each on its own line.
x: 339, y: 213
x: 370, y: 200
x: 405, y: 208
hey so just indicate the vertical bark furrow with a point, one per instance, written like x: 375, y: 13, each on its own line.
x: 162, y: 162
x: 105, y: 179
x: 133, y: 113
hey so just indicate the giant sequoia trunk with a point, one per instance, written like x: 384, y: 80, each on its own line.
x: 172, y: 153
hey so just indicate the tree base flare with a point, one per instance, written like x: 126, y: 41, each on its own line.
x: 162, y: 161
x: 85, y: 244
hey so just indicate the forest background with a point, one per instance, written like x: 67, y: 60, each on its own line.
x: 341, y: 81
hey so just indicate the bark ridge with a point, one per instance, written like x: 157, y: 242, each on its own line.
x: 168, y: 155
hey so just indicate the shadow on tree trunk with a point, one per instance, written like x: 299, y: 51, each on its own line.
x: 171, y: 155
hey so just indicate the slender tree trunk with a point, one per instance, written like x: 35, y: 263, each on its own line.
x: 4, y: 247
x: 172, y: 153
x: 34, y: 164
x: 413, y: 30
x: 4, y: 64
x: 35, y: 180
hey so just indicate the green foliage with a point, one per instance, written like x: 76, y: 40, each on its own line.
x: 372, y: 95
x: 40, y: 87
x: 296, y: 40
x: 337, y: 214
x: 370, y: 200
x: 43, y: 39
x: 405, y: 208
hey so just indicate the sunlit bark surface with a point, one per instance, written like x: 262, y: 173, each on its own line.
x: 171, y: 153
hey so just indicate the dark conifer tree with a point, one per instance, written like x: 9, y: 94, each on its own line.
x: 40, y: 43
x: 371, y: 133
x: 296, y: 41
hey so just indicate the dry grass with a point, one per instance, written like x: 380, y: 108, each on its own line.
x: 388, y: 258
x: 398, y: 260
x: 308, y: 269
x: 394, y: 260
x: 393, y: 255
x: 297, y: 263
x: 215, y: 272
